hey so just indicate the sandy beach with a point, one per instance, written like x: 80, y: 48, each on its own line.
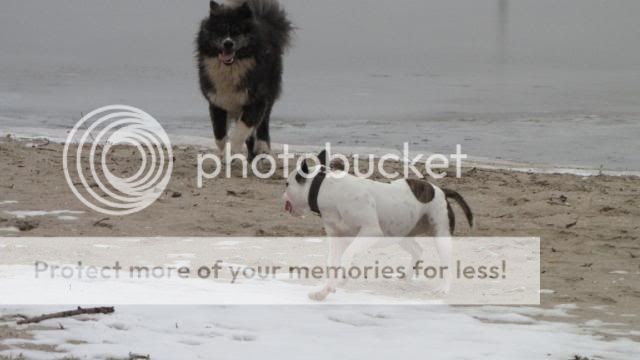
x: 588, y: 225
x: 541, y: 96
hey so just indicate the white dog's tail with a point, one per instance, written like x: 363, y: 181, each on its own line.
x: 451, y: 194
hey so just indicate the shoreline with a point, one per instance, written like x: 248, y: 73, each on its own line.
x: 58, y: 136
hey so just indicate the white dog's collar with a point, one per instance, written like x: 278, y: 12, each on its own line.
x: 314, y: 191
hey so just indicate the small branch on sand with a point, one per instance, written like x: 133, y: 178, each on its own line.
x: 133, y: 356
x: 44, y: 143
x: 64, y: 314
x: 103, y: 223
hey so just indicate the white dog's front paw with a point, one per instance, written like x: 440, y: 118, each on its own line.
x: 442, y: 290
x: 322, y: 294
x: 318, y: 296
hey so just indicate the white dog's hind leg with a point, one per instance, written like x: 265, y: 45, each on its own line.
x: 445, y: 248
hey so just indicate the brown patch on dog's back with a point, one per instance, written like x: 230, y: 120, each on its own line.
x: 422, y: 190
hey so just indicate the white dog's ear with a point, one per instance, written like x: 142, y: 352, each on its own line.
x: 302, y: 173
x: 323, y: 158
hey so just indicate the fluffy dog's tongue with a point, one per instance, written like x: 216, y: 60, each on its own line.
x: 227, y: 58
x: 288, y: 207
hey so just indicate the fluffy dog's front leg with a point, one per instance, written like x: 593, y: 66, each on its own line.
x: 252, y: 116
x: 219, y: 119
x: 239, y: 136
x: 263, y: 139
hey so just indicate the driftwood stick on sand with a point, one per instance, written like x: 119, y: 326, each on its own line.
x: 133, y: 356
x: 64, y: 314
x: 13, y: 318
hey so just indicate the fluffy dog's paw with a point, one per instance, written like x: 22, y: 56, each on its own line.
x: 237, y: 164
x: 262, y: 147
x: 263, y: 166
x: 221, y: 144
x: 236, y: 167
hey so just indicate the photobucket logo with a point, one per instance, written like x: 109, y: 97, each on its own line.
x: 88, y: 160
x: 402, y: 164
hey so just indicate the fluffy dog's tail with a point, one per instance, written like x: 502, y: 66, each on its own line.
x: 272, y: 15
x: 451, y: 194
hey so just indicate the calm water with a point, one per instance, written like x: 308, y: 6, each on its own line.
x: 546, y: 81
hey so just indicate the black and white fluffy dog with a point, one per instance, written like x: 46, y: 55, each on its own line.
x: 240, y: 48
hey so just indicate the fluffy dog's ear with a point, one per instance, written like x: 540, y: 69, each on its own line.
x: 213, y: 6
x: 245, y: 11
x: 323, y: 158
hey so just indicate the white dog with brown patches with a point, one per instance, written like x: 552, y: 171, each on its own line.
x: 355, y: 211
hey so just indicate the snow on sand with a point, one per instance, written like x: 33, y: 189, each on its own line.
x: 435, y: 332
